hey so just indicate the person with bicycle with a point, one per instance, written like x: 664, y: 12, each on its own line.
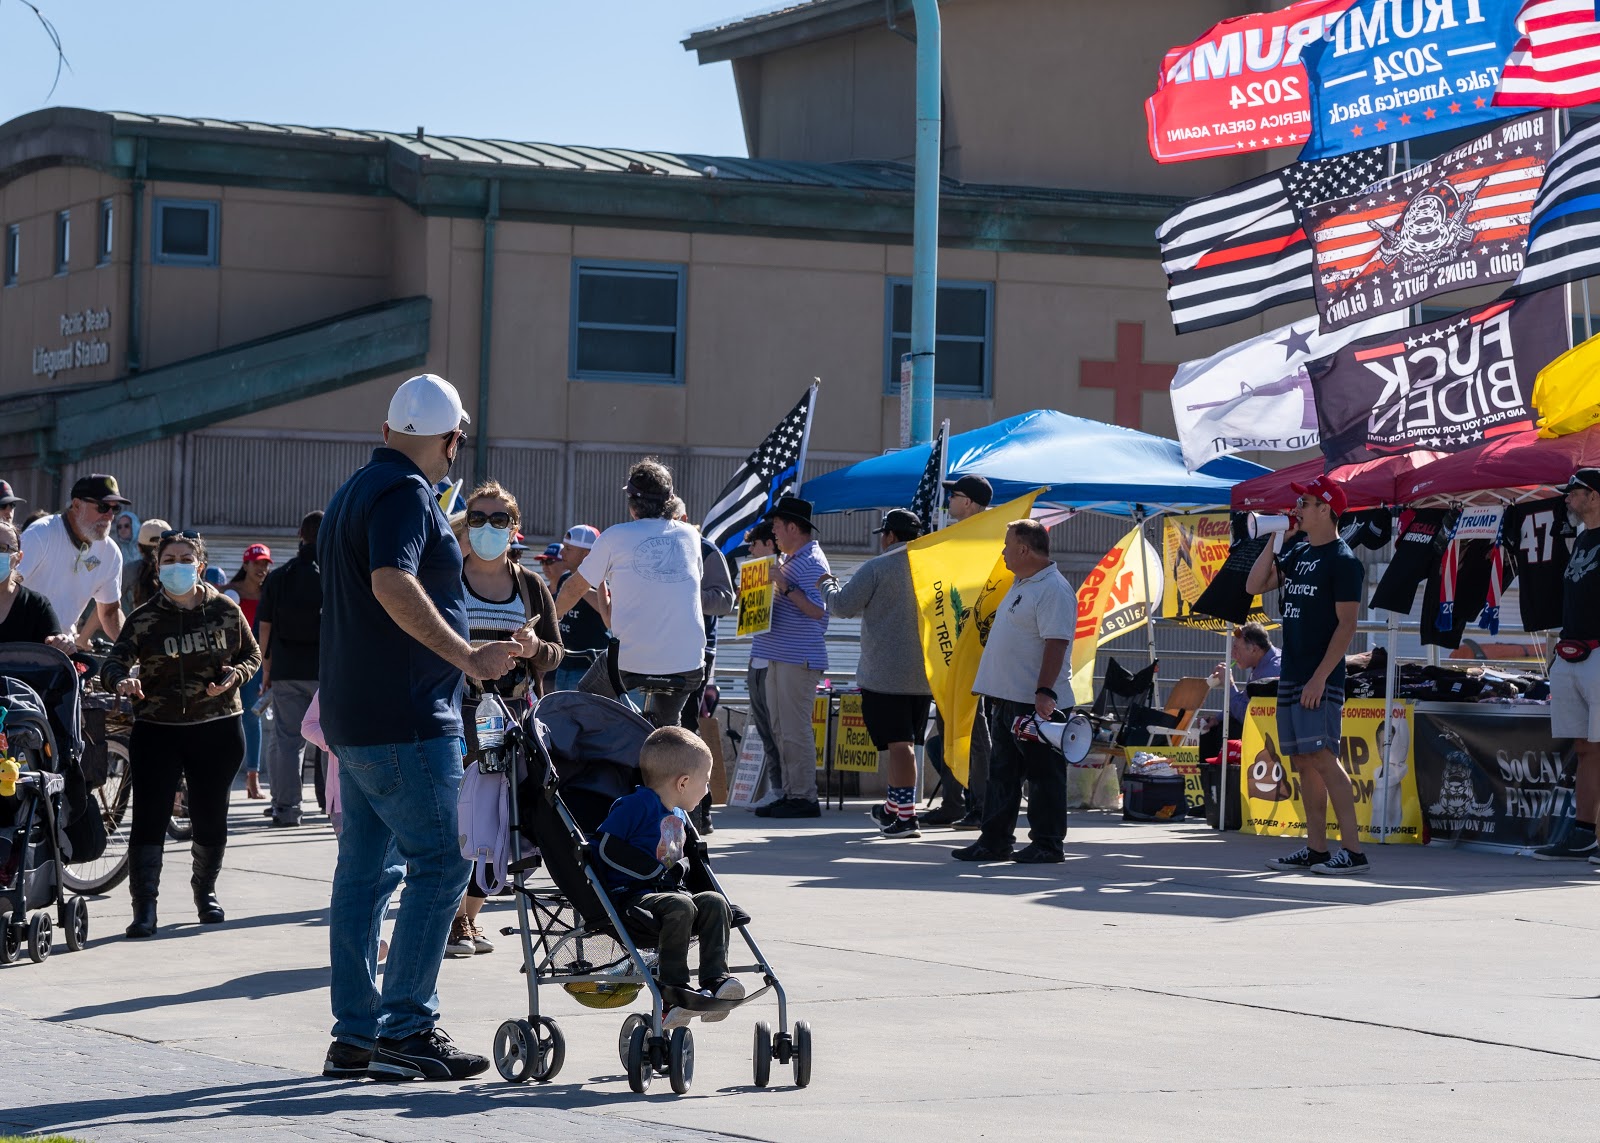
x: 182, y: 658
x: 71, y: 559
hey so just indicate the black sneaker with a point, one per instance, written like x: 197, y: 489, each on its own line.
x: 968, y: 821
x: 880, y: 814
x: 1582, y: 847
x: 944, y: 815
x: 979, y: 852
x: 766, y: 811
x: 1038, y: 855
x: 1300, y: 861
x: 1343, y: 864
x: 796, y: 808
x: 427, y: 1055
x: 901, y: 827
x: 346, y: 1061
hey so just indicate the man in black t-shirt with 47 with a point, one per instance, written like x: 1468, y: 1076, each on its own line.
x: 1322, y: 582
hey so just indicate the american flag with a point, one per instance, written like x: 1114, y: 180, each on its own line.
x: 772, y: 470
x: 1235, y: 254
x: 1556, y: 63
x: 926, y: 501
x: 1564, y: 236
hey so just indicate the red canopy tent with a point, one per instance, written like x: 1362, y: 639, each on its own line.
x: 1366, y: 485
x: 1520, y: 460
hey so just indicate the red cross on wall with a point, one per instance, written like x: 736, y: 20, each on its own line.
x: 1130, y: 376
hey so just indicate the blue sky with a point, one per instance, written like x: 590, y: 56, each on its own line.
x: 598, y: 72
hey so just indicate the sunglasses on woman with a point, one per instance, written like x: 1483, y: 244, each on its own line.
x: 493, y: 519
x: 173, y: 533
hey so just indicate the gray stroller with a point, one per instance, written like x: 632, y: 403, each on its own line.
x: 567, y: 760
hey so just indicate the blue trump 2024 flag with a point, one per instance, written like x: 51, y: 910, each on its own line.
x: 1391, y: 70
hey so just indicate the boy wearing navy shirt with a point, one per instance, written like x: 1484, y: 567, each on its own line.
x: 641, y: 846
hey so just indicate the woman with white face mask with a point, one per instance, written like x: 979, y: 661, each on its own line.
x: 504, y: 601
x: 193, y: 651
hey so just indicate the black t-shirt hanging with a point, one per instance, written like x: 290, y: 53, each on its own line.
x: 1472, y: 592
x: 1538, y: 544
x: 1423, y: 536
x: 1580, y: 616
x: 1368, y: 529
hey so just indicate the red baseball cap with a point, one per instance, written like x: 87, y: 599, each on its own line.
x: 257, y: 553
x: 1324, y: 490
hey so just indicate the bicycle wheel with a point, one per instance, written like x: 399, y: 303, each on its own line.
x: 114, y: 796
x: 180, y: 828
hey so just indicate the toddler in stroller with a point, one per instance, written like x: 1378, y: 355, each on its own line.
x: 573, y: 769
x: 641, y: 851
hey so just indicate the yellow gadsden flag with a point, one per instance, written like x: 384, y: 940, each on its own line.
x: 960, y: 580
x: 1567, y: 392
x: 1113, y: 600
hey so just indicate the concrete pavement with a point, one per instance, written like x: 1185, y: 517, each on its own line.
x: 1160, y: 984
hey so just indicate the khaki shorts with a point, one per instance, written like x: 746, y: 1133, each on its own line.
x: 1575, y: 698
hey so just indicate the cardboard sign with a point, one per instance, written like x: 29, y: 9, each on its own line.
x: 755, y: 595
x: 747, y: 770
x: 852, y: 747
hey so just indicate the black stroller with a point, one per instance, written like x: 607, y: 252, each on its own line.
x: 568, y: 760
x: 41, y: 792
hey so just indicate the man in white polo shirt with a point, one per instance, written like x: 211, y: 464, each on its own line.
x: 1024, y: 671
x: 70, y: 558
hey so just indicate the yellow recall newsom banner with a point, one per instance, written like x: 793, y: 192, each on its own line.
x: 852, y: 745
x: 755, y: 595
x: 1387, y: 806
x: 1193, y: 550
x: 819, y: 726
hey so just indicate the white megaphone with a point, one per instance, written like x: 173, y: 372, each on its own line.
x: 1072, y: 738
x: 1268, y: 525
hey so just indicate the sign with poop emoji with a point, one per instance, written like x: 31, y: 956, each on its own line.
x: 1381, y: 773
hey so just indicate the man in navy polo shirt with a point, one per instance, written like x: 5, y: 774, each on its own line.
x: 393, y: 653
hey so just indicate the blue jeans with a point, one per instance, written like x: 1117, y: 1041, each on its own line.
x: 567, y: 678
x: 248, y: 694
x: 398, y: 800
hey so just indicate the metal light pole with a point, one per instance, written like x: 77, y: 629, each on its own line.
x: 925, y: 219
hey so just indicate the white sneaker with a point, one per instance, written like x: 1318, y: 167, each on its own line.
x: 729, y: 989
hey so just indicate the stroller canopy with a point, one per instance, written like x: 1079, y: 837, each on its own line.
x: 54, y: 678
x: 593, y: 744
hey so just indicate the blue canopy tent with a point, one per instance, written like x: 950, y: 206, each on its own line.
x: 1080, y: 464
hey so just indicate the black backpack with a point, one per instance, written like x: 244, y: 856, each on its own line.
x: 297, y: 601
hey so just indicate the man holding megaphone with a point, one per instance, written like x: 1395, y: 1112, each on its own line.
x: 1322, y: 583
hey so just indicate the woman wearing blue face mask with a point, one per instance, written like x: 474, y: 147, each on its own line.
x: 504, y: 601
x: 25, y: 616
x: 193, y: 651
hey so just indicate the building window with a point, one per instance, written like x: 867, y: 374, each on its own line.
x: 107, y: 231
x: 186, y: 232
x: 13, y: 253
x: 63, y: 240
x: 627, y: 321
x: 961, y: 351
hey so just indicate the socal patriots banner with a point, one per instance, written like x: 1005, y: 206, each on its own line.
x: 1239, y: 87
x: 1460, y: 220
x: 1256, y: 396
x: 1114, y: 599
x: 960, y: 579
x: 1564, y: 236
x: 1444, y: 385
x: 1231, y: 255
x: 1390, y: 70
x: 1556, y: 63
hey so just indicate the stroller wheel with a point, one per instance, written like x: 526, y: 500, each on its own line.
x: 41, y: 934
x: 77, y: 923
x: 761, y: 1054
x: 802, y: 1053
x: 550, y: 1049
x: 10, y: 940
x: 514, y: 1051
x: 680, y: 1060
x: 628, y: 1025
x: 640, y: 1071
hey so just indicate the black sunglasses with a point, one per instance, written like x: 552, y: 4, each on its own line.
x: 104, y: 507
x: 493, y: 519
x: 173, y: 533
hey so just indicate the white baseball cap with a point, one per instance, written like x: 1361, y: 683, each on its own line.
x: 426, y: 406
x: 582, y: 536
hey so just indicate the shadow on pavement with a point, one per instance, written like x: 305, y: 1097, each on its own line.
x: 1180, y: 869
x: 256, y: 986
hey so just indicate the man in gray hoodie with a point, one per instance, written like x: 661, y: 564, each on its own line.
x: 893, y: 680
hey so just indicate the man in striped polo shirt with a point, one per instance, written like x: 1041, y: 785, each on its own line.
x: 797, y: 653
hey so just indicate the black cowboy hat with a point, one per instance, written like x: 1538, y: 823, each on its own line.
x: 792, y: 508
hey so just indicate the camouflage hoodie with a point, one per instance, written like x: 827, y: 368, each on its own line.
x: 179, y: 651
